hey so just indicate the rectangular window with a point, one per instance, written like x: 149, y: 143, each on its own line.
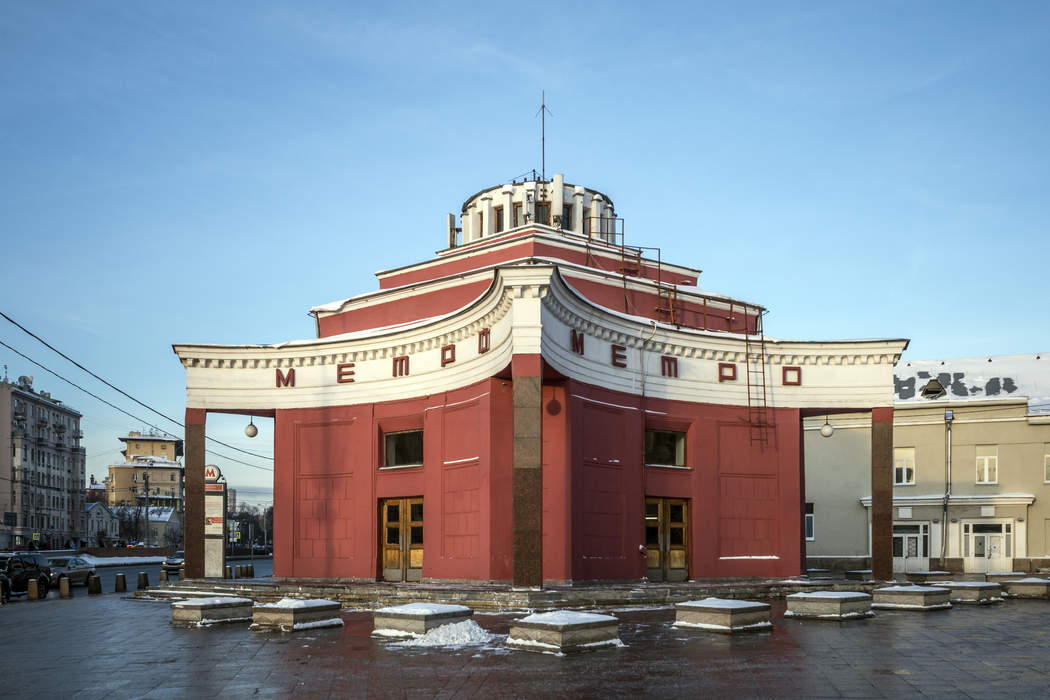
x: 566, y: 217
x: 498, y: 213
x: 903, y: 466
x: 665, y: 447
x: 810, y: 532
x: 1046, y: 463
x: 543, y: 213
x: 987, y: 464
x: 403, y: 448
x: 517, y: 214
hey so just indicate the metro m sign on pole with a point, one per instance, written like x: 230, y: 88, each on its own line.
x: 212, y: 473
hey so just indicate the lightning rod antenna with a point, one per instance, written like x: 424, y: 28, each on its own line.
x: 542, y: 113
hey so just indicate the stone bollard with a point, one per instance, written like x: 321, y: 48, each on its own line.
x: 143, y: 580
x: 95, y: 585
x: 32, y: 590
x: 120, y: 585
x: 182, y: 573
x: 249, y: 570
x: 163, y: 578
x: 228, y: 573
x: 64, y: 590
x: 241, y: 573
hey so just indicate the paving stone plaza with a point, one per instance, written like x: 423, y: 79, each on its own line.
x: 111, y: 647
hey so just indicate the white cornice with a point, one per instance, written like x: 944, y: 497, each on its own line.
x: 1002, y: 499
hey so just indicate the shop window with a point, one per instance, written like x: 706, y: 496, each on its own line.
x: 403, y: 448
x: 810, y: 531
x: 665, y: 447
x: 987, y: 464
x: 903, y: 466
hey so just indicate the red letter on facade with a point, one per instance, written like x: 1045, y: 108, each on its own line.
x: 483, y: 340
x: 448, y: 354
x: 577, y: 342
x: 619, y: 358
x: 285, y: 379
x: 343, y: 373
x: 401, y: 366
x: 669, y: 366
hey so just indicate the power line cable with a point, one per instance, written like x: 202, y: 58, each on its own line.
x: 51, y: 347
x: 118, y: 408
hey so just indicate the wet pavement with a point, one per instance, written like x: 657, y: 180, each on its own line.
x: 108, y: 646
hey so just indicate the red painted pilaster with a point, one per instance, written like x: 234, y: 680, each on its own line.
x: 882, y: 493
x: 193, y: 527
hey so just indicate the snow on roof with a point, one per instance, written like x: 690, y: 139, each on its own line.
x: 978, y: 378
x: 566, y: 617
x: 296, y: 603
x: 968, y: 584
x: 213, y: 600
x: 844, y: 595
x: 1031, y: 579
x: 723, y: 603
x: 423, y: 609
x: 911, y: 589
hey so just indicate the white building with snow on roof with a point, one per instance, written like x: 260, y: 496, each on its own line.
x: 971, y: 470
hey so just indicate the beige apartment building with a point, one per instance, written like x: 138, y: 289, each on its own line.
x: 41, y: 469
x: 971, y: 471
x: 150, y: 474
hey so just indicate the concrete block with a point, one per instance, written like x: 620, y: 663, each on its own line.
x: 291, y: 614
x: 921, y: 577
x: 202, y: 612
x: 64, y: 590
x: 1029, y: 587
x: 95, y: 585
x: 975, y: 592
x: 564, y: 631
x: 911, y: 598
x: 719, y: 615
x: 829, y: 605
x: 416, y: 619
x: 1001, y: 576
x: 120, y: 583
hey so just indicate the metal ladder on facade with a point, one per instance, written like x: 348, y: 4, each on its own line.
x: 758, y: 417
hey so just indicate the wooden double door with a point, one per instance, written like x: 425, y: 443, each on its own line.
x: 667, y: 539
x: 401, y: 539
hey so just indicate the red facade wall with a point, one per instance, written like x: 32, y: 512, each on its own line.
x: 743, y: 498
x: 328, y: 485
x: 525, y: 249
x: 391, y: 313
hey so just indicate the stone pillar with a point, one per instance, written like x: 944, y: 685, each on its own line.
x: 598, y: 226
x: 487, y: 224
x: 558, y: 200
x: 193, y: 527
x: 467, y: 221
x: 882, y: 493
x: 527, y: 469
x: 508, y: 207
x: 577, y: 210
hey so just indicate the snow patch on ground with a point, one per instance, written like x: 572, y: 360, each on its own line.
x: 458, y: 634
x: 330, y: 622
x: 722, y: 628
x: 119, y: 561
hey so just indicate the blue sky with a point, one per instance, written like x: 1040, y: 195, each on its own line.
x: 174, y: 172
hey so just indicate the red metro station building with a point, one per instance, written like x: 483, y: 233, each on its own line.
x: 539, y: 403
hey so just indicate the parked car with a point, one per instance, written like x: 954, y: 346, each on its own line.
x: 175, y: 562
x: 21, y: 567
x: 74, y: 568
